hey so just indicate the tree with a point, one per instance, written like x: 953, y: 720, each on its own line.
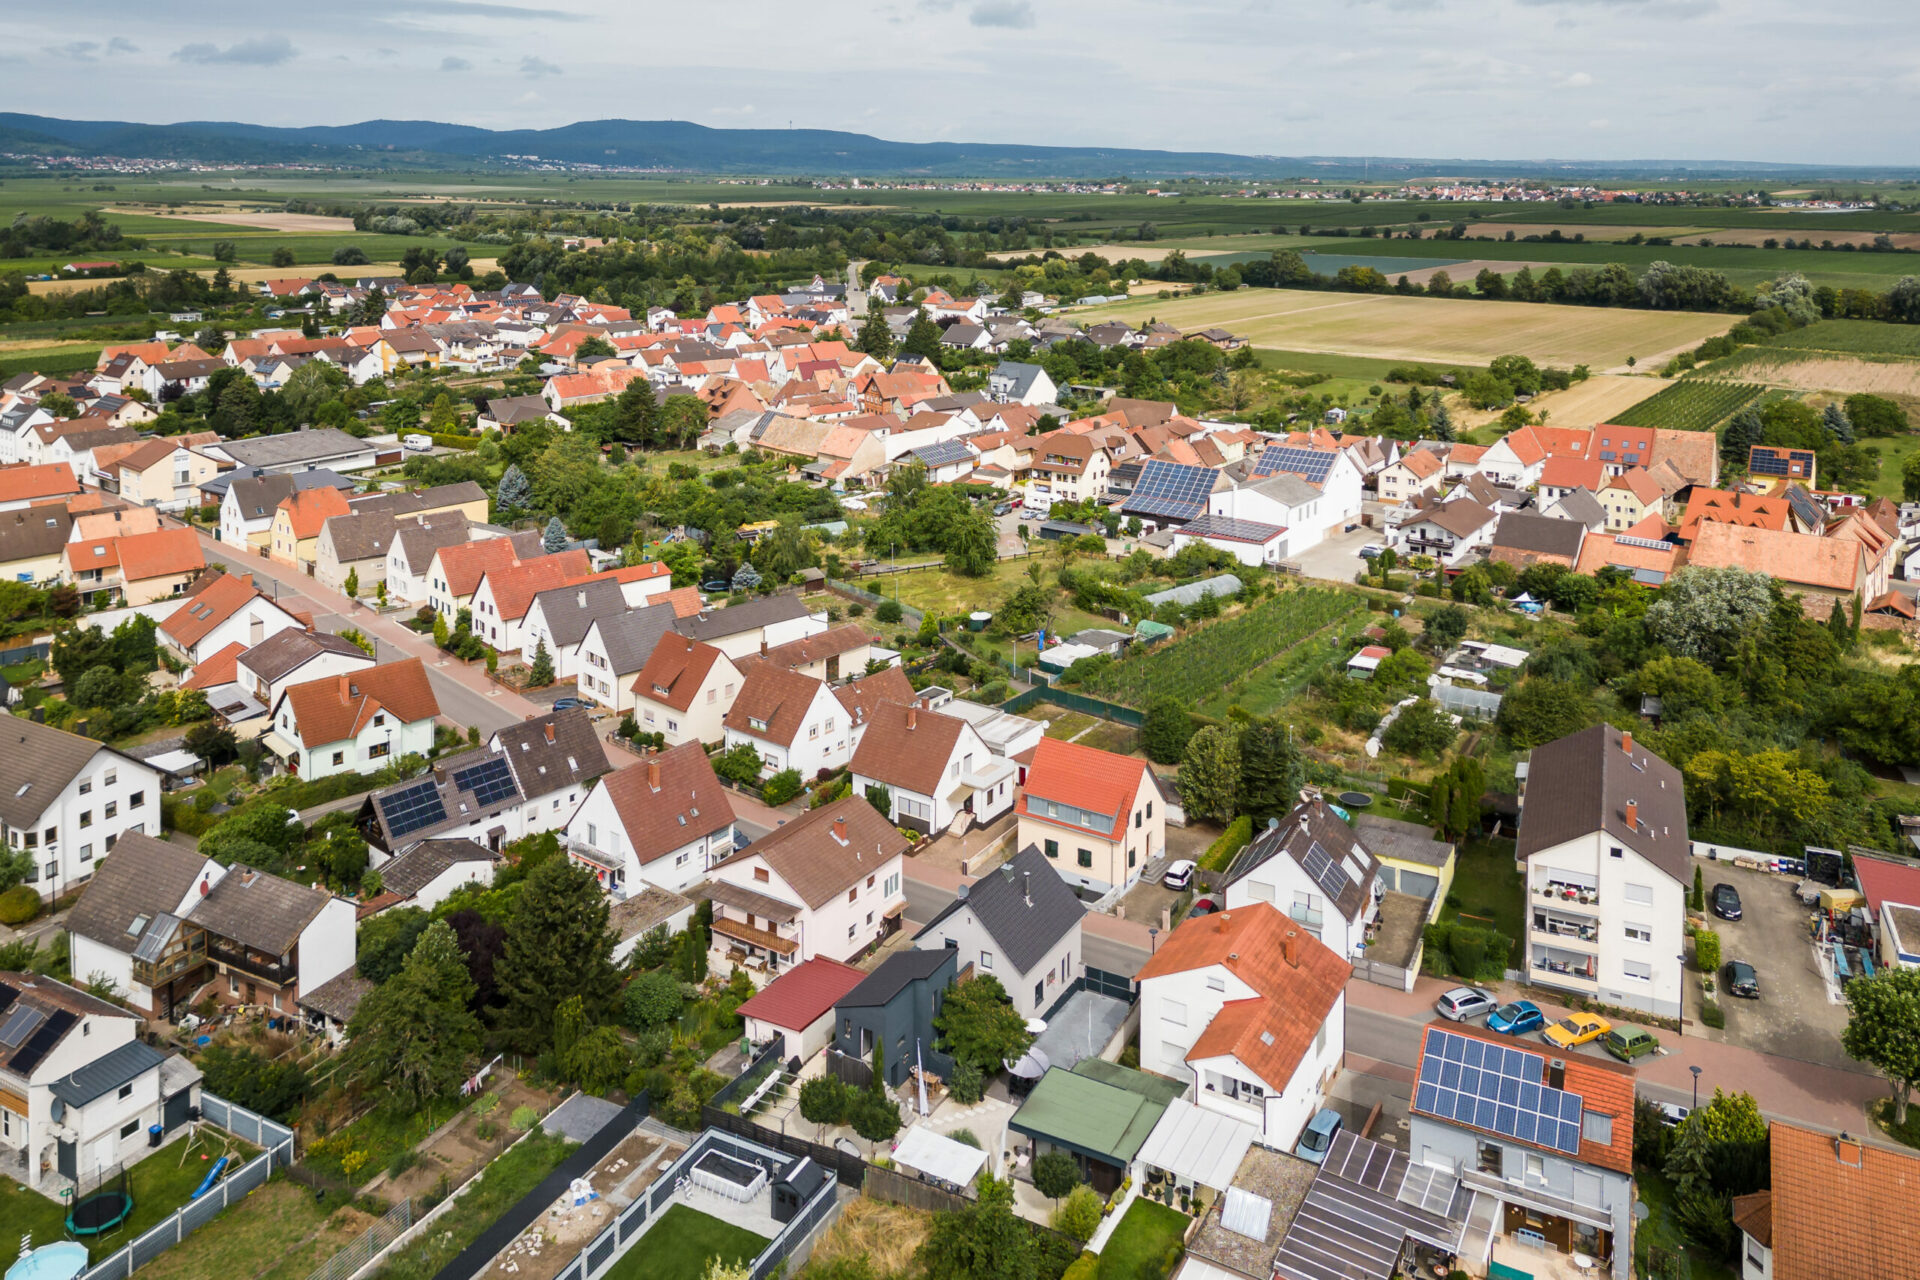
x: 441, y: 636
x: 1165, y: 730
x: 514, y: 494
x: 978, y: 1023
x: 880, y: 796
x: 1703, y: 612
x: 635, y: 418
x: 1055, y: 1174
x: 99, y: 687
x: 1910, y: 478
x: 413, y: 1035
x: 557, y: 945
x: 1883, y: 1030
x: 973, y: 545
x: 651, y: 1000
x: 923, y: 337
x: 1080, y: 1216
x: 874, y: 1116
x: 1543, y: 710
x: 875, y: 339
x: 1837, y: 425
x: 1743, y: 431
x: 554, y: 540
x: 1445, y: 628
x: 1271, y: 771
x: 540, y: 670
x: 1423, y: 729
x: 983, y: 1241
x: 824, y: 1100
x: 216, y: 744
x: 1876, y: 415
x: 353, y: 584
x: 1210, y: 772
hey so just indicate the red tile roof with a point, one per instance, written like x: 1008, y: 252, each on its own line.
x: 309, y: 509
x: 1841, y: 1211
x: 465, y: 562
x: 1885, y: 880
x: 803, y: 994
x: 160, y: 553
x: 212, y: 605
x: 1299, y: 979
x: 1088, y: 778
x: 774, y: 697
x: 217, y: 668
x: 1564, y: 472
x: 336, y: 707
x: 668, y: 800
x: 686, y: 601
x: 514, y: 586
x: 676, y: 670
x: 26, y: 483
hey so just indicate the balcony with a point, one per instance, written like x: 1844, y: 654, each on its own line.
x: 1565, y: 889
x: 1560, y: 968
x: 252, y: 964
x: 1548, y: 923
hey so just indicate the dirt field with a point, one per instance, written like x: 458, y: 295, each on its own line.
x: 542, y: 1250
x: 1464, y: 272
x: 253, y: 275
x: 281, y: 221
x: 1901, y: 239
x: 1584, y: 404
x: 1450, y: 330
x: 1602, y: 232
x: 1837, y: 373
x: 1122, y: 252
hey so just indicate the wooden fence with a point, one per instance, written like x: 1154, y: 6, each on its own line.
x: 897, y: 1188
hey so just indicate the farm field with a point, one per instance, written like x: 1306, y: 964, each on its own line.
x: 1269, y: 687
x: 1858, y: 337
x: 1693, y: 404
x: 1450, y: 330
x: 1601, y: 398
x: 1824, y: 371
x: 231, y: 219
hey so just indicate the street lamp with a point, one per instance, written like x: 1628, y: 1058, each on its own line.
x: 1153, y: 939
x: 1696, y: 1087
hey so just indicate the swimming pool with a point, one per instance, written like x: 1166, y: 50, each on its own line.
x: 62, y: 1260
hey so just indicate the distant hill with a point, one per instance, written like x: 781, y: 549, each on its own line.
x: 679, y: 146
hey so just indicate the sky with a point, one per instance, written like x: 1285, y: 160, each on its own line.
x: 1766, y: 80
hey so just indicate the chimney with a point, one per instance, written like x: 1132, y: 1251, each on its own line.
x: 1026, y: 886
x: 1633, y: 815
x: 912, y: 715
x: 1290, y: 947
x: 763, y: 645
x: 1626, y: 741
x: 581, y: 597
x: 549, y: 733
x: 653, y: 775
x: 1847, y: 1150
x: 1557, y: 1074
x: 840, y: 830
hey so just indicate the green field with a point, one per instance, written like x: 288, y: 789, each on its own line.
x: 1856, y: 337
x: 1692, y: 404
x: 1269, y: 687
x: 1138, y: 1247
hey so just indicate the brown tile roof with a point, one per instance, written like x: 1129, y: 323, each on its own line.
x: 144, y: 877
x: 336, y: 707
x: 23, y: 483
x: 158, y: 554
x: 1423, y: 463
x: 907, y: 747
x: 866, y: 695
x: 217, y: 667
x: 1092, y: 780
x: 283, y: 652
x: 207, y: 608
x: 1797, y: 559
x: 668, y: 800
x: 775, y: 697
x: 309, y: 509
x: 1694, y: 454
x: 1526, y: 446
x: 258, y: 909
x: 1754, y: 1215
x: 1841, y: 1211
x: 1299, y: 979
x: 819, y: 646
x: 1748, y: 509
x: 686, y: 601
x: 514, y: 586
x: 1601, y: 550
x: 808, y: 854
x: 1640, y: 484
x: 1462, y: 517
x: 1584, y: 782
x: 675, y: 672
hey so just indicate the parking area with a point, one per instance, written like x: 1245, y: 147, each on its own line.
x: 1794, y: 1016
x: 1337, y: 558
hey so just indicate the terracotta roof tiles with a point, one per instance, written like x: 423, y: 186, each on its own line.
x: 336, y: 707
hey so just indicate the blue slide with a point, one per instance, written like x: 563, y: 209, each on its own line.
x: 213, y: 1176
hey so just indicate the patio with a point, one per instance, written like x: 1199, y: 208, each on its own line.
x: 1541, y: 1262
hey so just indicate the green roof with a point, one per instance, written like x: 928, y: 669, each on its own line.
x: 1149, y: 630
x: 1098, y: 1119
x: 1153, y: 1088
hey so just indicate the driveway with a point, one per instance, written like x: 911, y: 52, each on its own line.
x: 1337, y: 558
x: 1797, y: 1014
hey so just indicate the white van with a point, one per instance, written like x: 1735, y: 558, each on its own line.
x: 418, y: 443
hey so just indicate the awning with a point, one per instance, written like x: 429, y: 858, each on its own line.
x: 938, y: 1156
x: 177, y: 762
x: 1197, y: 1145
x: 279, y: 745
x: 13, y: 1102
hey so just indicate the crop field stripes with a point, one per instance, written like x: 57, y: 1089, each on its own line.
x: 1692, y: 404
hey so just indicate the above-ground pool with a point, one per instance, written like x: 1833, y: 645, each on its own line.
x: 722, y: 1174
x: 62, y: 1260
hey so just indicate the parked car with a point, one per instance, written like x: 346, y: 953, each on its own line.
x: 1742, y: 981
x: 1517, y: 1018
x: 1673, y: 1115
x: 1318, y: 1135
x: 1628, y: 1043
x: 1576, y: 1029
x: 568, y: 704
x: 1463, y: 1004
x: 1726, y: 902
x: 1001, y: 509
x: 1203, y: 907
x: 1179, y: 874
x: 1371, y: 551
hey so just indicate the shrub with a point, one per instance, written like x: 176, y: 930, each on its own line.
x: 1079, y: 1214
x: 1468, y: 947
x: 1055, y: 1174
x: 1711, y: 1014
x: 781, y: 787
x: 523, y: 1119
x: 965, y: 1083
x: 402, y: 1162
x: 19, y: 905
x: 1706, y: 950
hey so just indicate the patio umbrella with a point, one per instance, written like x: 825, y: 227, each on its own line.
x: 1032, y: 1065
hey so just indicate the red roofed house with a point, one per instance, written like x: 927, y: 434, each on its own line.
x: 141, y: 567
x: 799, y: 1005
x: 1416, y: 473
x: 1561, y: 475
x: 1516, y: 460
x: 1099, y: 817
x: 24, y: 484
x: 1248, y: 1008
x: 1892, y: 889
x: 664, y: 822
x: 354, y: 723
x: 1557, y: 1158
x: 1837, y: 1208
x: 455, y: 571
x: 501, y: 597
x: 225, y: 610
x: 685, y: 691
x: 297, y: 521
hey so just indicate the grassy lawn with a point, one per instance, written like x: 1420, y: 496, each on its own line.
x: 1660, y: 1231
x: 1486, y: 884
x: 1138, y: 1248
x: 503, y: 1184
x: 365, y: 1147
x: 1065, y: 725
x: 937, y: 591
x: 159, y: 1184
x: 679, y: 1244
x: 1117, y: 738
x: 279, y: 1232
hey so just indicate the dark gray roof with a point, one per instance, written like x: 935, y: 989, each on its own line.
x: 302, y: 480
x: 33, y: 532
x: 1311, y: 833
x: 1583, y: 782
x: 420, y: 540
x: 515, y: 409
x: 419, y: 866
x: 293, y: 447
x: 1582, y: 506
x: 1232, y: 529
x: 370, y: 535
x: 556, y: 750
x: 36, y: 762
x: 1024, y: 906
x: 284, y: 652
x: 715, y: 624
x: 1540, y: 535
x: 895, y: 974
x: 1407, y: 841
x: 106, y: 1073
x: 630, y: 637
x: 942, y: 452
x: 144, y: 877
x: 258, y: 910
x: 339, y: 997
x: 569, y: 611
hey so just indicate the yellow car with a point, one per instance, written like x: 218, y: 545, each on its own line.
x: 1576, y: 1029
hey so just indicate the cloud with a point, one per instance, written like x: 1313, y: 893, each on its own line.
x: 265, y: 51
x: 533, y: 68
x: 78, y: 51
x: 455, y: 64
x: 1002, y: 13
x: 469, y: 9
x: 120, y: 44
x: 1578, y: 80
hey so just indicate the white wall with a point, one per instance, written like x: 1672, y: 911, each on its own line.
x: 1282, y: 882
x: 81, y: 824
x: 598, y: 826
x: 318, y: 667
x: 1663, y: 918
x: 821, y: 742
x: 326, y: 945
x: 384, y: 740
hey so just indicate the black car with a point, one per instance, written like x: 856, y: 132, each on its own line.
x: 568, y: 704
x: 1726, y: 902
x: 1742, y: 981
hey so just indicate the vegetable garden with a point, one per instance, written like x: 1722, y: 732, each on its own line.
x: 1195, y: 666
x: 1693, y: 404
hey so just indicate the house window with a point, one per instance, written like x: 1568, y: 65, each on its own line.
x: 1136, y: 819
x: 1492, y: 1159
x: 137, y: 799
x: 850, y: 929
x: 1639, y: 932
x: 110, y: 839
x: 1637, y: 970
x: 86, y: 786
x: 893, y: 885
x: 1640, y: 893
x: 108, y: 781
x: 986, y: 959
x: 853, y: 894
x: 1174, y: 1011
x: 378, y: 749
x: 1133, y: 856
x: 760, y: 875
x: 1053, y: 848
x: 86, y: 853
x: 1595, y: 1127
x: 128, y: 1129
x: 593, y: 835
x: 1536, y: 1171
x: 126, y: 1091
x: 1617, y: 852
x: 1086, y: 857
x: 86, y: 820
x: 1175, y: 1054
x: 113, y: 808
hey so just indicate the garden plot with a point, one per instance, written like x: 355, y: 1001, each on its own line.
x: 543, y: 1250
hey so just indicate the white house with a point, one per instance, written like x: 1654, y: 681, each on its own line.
x: 935, y: 768
x: 1020, y: 923
x: 1313, y: 868
x: 1332, y: 472
x: 828, y: 883
x: 1247, y: 1008
x: 252, y: 497
x: 663, y: 821
x: 1417, y: 472
x: 685, y: 691
x: 1603, y: 847
x: 754, y: 626
x: 410, y: 558
x: 432, y: 871
x: 1516, y: 460
x: 792, y: 720
x: 1249, y: 541
x: 1013, y: 382
x: 227, y: 610
x: 291, y: 657
x: 354, y: 723
x: 66, y: 800
x: 1452, y: 533
x: 559, y: 618
x: 505, y: 593
x: 614, y: 652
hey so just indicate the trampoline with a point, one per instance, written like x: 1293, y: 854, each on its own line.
x: 62, y: 1260
x: 723, y: 1175
x: 102, y: 1211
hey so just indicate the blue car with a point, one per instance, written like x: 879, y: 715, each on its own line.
x: 1516, y: 1019
x: 1318, y: 1135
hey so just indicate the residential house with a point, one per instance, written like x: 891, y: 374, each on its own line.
x: 1019, y: 923
x: 80, y: 1091
x: 507, y: 414
x: 308, y: 449
x: 24, y: 484
x: 1562, y: 474
x: 1516, y: 460
x: 250, y: 499
x: 664, y: 821
x: 415, y: 543
x: 293, y: 656
x: 558, y: 618
x: 756, y: 625
x: 1521, y: 540
x: 895, y: 1006
x: 1098, y: 817
x: 357, y: 722
x: 1452, y: 533
x: 67, y: 800
x: 294, y: 537
x: 164, y: 472
x: 1314, y: 868
x: 1603, y: 848
x: 33, y: 544
x: 1067, y: 468
x: 226, y: 609
x: 792, y: 720
x: 685, y: 691
x: 1330, y: 471
x: 1835, y: 1207
x: 1417, y: 472
x: 832, y: 655
x: 1248, y: 1009
x: 1248, y: 541
x: 1556, y: 1163
x: 1012, y: 382
x: 455, y: 570
x: 1578, y: 505
x: 826, y: 883
x: 504, y: 594
x: 798, y: 1006
x: 615, y: 650
x: 1099, y: 1113
x: 1007, y: 735
x: 934, y: 769
x: 432, y: 871
x: 1630, y: 497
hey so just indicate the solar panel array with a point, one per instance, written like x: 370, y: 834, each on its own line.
x: 1763, y: 461
x: 1489, y: 1086
x: 1172, y: 490
x: 412, y: 808
x: 18, y: 1025
x: 490, y: 782
x: 1217, y: 526
x: 1311, y: 465
x: 1325, y: 871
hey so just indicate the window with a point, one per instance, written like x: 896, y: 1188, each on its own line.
x: 1086, y: 857
x: 86, y: 820
x: 128, y: 1129
x: 339, y: 757
x: 1636, y: 970
x: 378, y: 749
x: 1039, y: 993
x: 760, y: 875
x: 1136, y: 819
x: 1133, y: 856
x: 593, y: 835
x: 1492, y: 1159
x: 892, y: 885
x: 108, y: 781
x: 112, y: 838
x: 86, y: 853
x: 137, y: 799
x: 86, y: 786
x: 673, y: 726
x: 1259, y: 892
x: 1640, y: 893
x: 1616, y: 852
x: 126, y: 1091
x: 113, y: 808
x: 869, y: 919
x: 850, y: 929
x: 1175, y: 1054
x: 1595, y: 1127
x: 1174, y: 1011
x: 1639, y: 932
x: 853, y: 894
x: 1216, y: 984
x: 1053, y: 848
x: 986, y: 959
x: 1536, y: 1171
x: 869, y: 882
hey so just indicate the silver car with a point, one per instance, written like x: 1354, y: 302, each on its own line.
x: 1464, y: 1004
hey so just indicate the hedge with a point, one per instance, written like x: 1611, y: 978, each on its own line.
x: 19, y: 905
x: 454, y: 442
x: 1706, y: 951
x: 1219, y: 855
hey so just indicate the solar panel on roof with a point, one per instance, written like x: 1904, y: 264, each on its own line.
x: 1171, y: 489
x: 1489, y: 1086
x: 1311, y: 465
x: 490, y: 782
x: 41, y: 1043
x: 413, y: 808
x: 1325, y: 872
x: 19, y: 1025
